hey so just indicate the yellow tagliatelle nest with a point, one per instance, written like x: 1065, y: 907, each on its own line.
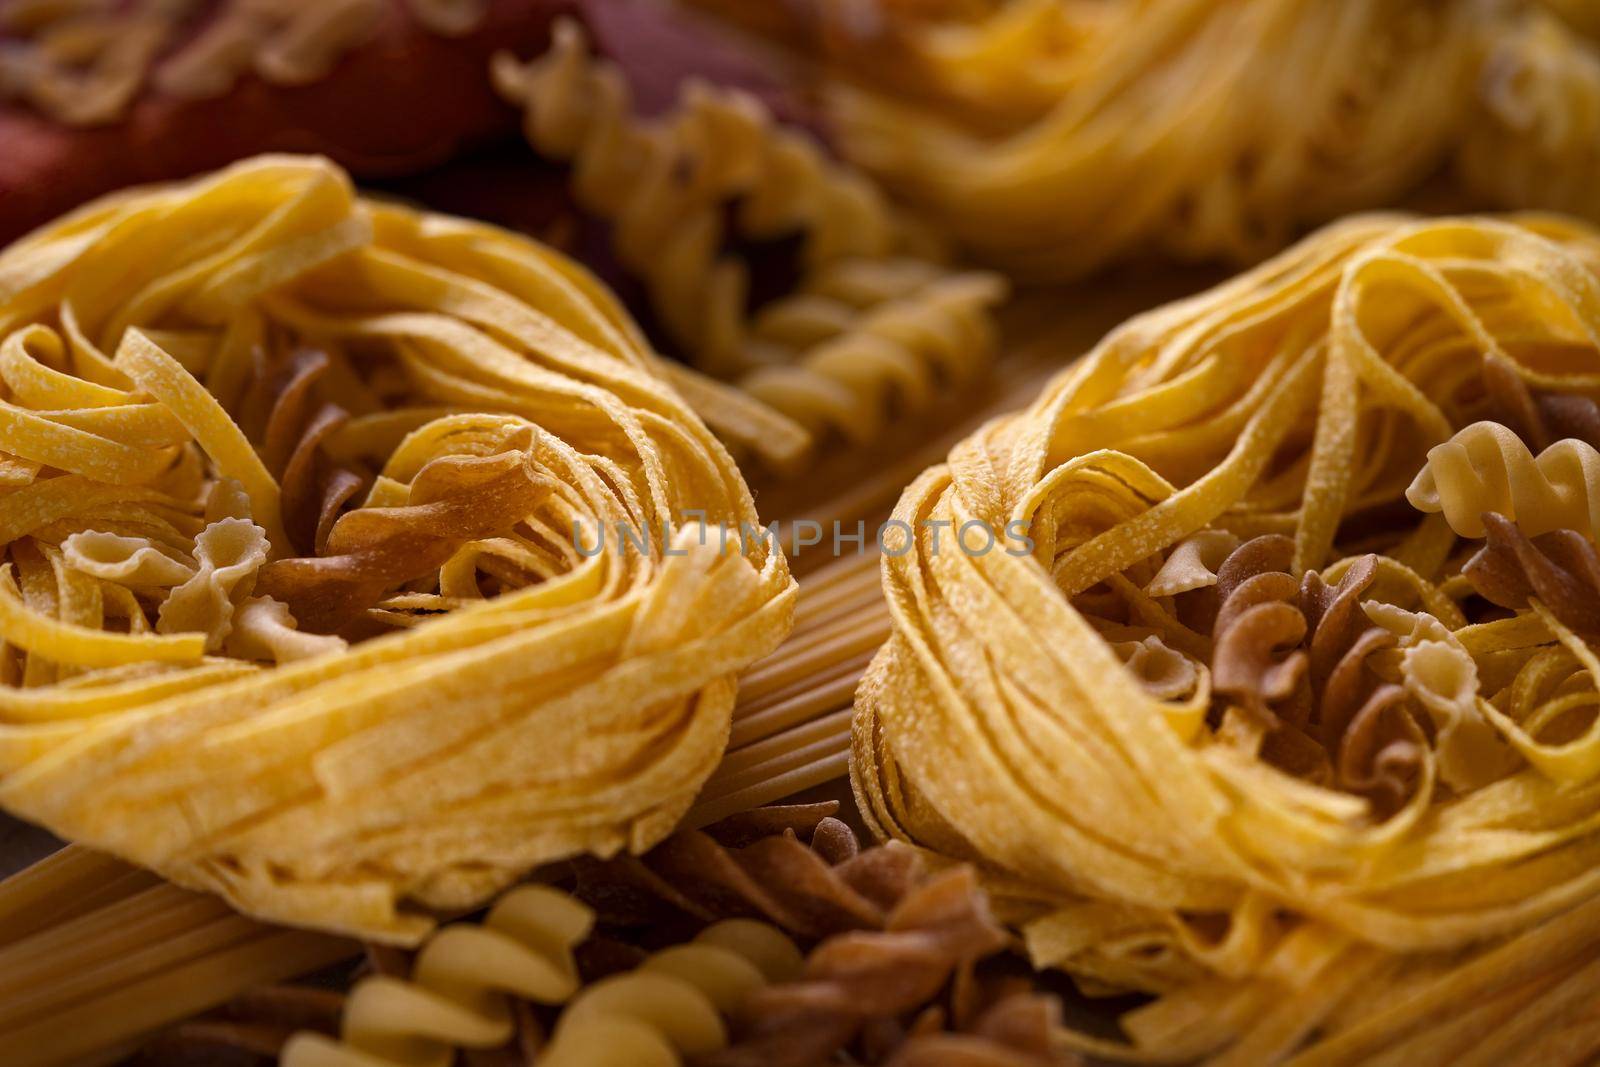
x: 1237, y: 730
x: 1054, y: 136
x: 314, y: 593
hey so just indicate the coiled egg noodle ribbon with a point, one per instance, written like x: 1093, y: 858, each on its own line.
x: 1051, y: 137
x: 1045, y: 706
x: 314, y: 592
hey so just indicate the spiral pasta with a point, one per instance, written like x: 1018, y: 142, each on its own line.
x: 460, y: 989
x: 1339, y: 832
x: 345, y: 568
x: 1535, y: 138
x: 874, y: 327
x: 1049, y: 135
x: 1486, y: 468
x: 1049, y: 138
x: 84, y: 63
x: 670, y: 1010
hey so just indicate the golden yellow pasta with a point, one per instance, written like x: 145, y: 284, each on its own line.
x: 875, y: 328
x: 468, y: 976
x: 1219, y: 714
x: 1534, y: 140
x: 461, y: 989
x: 1055, y: 136
x: 354, y: 557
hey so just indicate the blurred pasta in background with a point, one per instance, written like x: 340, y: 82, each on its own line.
x: 1055, y: 136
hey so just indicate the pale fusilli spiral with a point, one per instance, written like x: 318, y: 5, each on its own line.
x: 664, y: 185
x: 873, y: 321
x: 459, y: 995
x: 893, y: 356
x: 1486, y: 467
x: 672, y: 1007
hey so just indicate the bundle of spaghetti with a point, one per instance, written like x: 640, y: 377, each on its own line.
x: 874, y: 327
x: 256, y: 1024
x: 1095, y: 706
x: 84, y: 63
x: 1535, y: 137
x: 512, y: 646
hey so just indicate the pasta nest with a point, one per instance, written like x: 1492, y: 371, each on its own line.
x: 1052, y: 137
x: 353, y: 559
x: 1176, y: 661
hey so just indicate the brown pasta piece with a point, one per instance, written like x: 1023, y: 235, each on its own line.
x: 453, y: 500
x: 1561, y: 568
x: 810, y: 890
x: 1013, y: 1031
x: 855, y: 977
x: 284, y: 413
x: 1540, y: 418
x: 1297, y: 657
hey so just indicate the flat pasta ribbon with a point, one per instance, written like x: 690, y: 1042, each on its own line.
x: 347, y: 569
x: 1375, y: 797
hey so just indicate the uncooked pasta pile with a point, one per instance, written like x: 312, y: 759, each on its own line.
x: 353, y: 556
x: 1055, y: 136
x: 1276, y: 698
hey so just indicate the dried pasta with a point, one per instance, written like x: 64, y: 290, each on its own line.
x: 1055, y: 136
x: 1486, y: 467
x: 873, y: 330
x: 1232, y: 729
x: 84, y: 63
x: 1535, y: 138
x: 672, y: 1008
x: 459, y: 993
x: 460, y: 989
x: 351, y: 558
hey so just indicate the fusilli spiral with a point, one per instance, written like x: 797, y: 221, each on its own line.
x: 1486, y: 467
x: 873, y: 329
x: 671, y: 1010
x: 461, y: 985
